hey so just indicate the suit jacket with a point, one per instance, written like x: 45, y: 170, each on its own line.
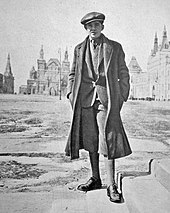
x: 117, y: 85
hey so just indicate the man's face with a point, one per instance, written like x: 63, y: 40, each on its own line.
x: 94, y: 29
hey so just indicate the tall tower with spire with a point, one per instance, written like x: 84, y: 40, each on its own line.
x: 155, y: 48
x: 41, y: 72
x: 65, y: 71
x: 42, y: 53
x: 8, y: 82
x: 65, y: 63
x: 165, y: 43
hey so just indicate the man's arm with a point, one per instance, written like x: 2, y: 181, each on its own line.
x: 71, y: 76
x: 123, y: 75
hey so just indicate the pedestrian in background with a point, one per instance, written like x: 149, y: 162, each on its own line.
x: 98, y: 86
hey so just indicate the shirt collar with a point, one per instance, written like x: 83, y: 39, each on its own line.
x: 98, y: 40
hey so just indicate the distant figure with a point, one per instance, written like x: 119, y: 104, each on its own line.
x: 98, y: 86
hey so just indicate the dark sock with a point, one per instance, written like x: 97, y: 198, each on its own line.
x: 94, y: 161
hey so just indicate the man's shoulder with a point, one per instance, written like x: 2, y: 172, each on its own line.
x: 114, y: 43
x: 81, y: 44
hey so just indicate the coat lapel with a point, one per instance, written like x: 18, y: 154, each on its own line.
x: 107, y: 52
x: 81, y: 54
x: 100, y: 56
x: 88, y: 59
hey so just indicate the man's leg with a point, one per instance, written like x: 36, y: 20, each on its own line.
x: 90, y: 143
x: 110, y: 169
x: 94, y: 182
x: 94, y: 161
x: 112, y: 191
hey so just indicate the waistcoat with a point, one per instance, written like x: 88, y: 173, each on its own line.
x: 93, y: 84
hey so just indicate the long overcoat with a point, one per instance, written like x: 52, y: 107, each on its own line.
x: 117, y: 84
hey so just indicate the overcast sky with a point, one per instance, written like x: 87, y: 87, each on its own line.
x: 25, y: 25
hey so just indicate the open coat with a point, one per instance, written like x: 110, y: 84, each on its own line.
x: 117, y: 84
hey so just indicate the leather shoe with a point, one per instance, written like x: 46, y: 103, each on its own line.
x: 91, y: 184
x: 113, y: 193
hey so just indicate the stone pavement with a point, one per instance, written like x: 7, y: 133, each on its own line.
x: 147, y: 192
x: 141, y: 194
x: 150, y: 193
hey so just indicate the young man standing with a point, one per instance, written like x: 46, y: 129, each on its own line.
x: 98, y: 86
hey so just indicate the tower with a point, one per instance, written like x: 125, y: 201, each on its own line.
x: 41, y: 72
x: 41, y: 62
x: 165, y: 43
x: 155, y: 49
x: 65, y: 71
x: 8, y: 83
x: 65, y: 63
x: 41, y: 52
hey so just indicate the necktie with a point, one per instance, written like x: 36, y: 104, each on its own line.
x: 94, y: 44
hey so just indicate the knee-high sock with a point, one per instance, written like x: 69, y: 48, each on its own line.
x: 110, y: 169
x: 94, y: 161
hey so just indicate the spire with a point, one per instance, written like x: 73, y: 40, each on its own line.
x: 165, y: 32
x: 8, y: 71
x: 41, y: 52
x: 66, y: 55
x: 165, y: 43
x: 155, y: 49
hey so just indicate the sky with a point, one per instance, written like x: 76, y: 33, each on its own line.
x: 25, y: 25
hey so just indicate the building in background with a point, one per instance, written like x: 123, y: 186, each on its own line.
x: 138, y: 81
x: 154, y: 84
x: 23, y: 89
x: 7, y: 80
x: 158, y: 68
x: 50, y: 78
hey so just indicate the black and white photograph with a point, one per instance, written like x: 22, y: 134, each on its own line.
x: 84, y: 106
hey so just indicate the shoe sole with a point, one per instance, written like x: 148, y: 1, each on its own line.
x: 95, y: 188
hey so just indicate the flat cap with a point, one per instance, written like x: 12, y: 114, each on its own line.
x: 93, y: 16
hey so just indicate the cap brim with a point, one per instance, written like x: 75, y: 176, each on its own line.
x: 87, y: 22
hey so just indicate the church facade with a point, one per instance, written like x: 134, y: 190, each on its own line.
x: 7, y: 80
x: 154, y: 84
x: 50, y: 78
